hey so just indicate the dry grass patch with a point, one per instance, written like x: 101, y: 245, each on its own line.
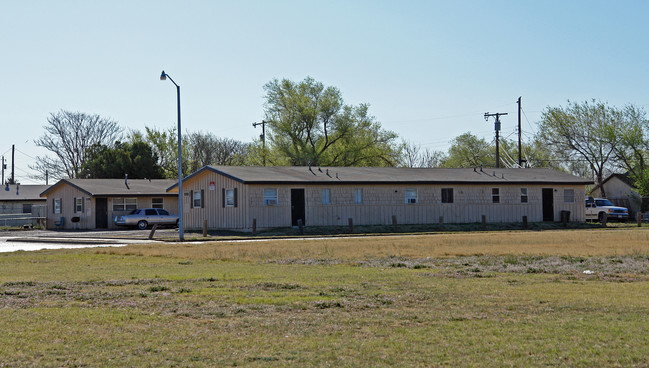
x: 436, y: 300
x: 598, y: 243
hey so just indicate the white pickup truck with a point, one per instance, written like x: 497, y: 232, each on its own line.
x: 597, y: 207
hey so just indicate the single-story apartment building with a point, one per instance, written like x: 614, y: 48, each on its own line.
x: 21, y: 204
x: 94, y: 203
x: 232, y: 197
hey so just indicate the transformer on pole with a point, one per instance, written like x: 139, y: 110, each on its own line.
x: 497, y: 129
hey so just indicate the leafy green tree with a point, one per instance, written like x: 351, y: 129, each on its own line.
x: 164, y: 144
x: 310, y: 123
x: 631, y: 150
x: 583, y: 133
x: 467, y: 150
x: 135, y: 159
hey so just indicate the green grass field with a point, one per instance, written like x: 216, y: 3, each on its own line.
x: 552, y: 298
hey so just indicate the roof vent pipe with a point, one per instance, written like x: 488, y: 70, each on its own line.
x: 503, y: 175
x: 126, y: 181
x: 474, y: 169
x: 494, y: 173
x: 337, y: 176
x: 480, y: 167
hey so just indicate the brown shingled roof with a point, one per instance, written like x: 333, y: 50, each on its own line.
x: 117, y: 187
x: 358, y: 175
x: 22, y: 192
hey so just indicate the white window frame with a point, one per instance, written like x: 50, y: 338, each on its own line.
x: 358, y: 196
x: 124, y: 203
x: 158, y: 202
x: 495, y: 195
x: 229, y: 197
x: 57, y: 205
x: 130, y: 203
x: 524, y: 195
x: 197, y: 196
x: 78, y: 204
x: 568, y: 196
x: 326, y: 196
x: 411, y: 196
x: 270, y: 196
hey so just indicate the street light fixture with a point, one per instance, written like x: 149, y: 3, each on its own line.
x: 181, y: 234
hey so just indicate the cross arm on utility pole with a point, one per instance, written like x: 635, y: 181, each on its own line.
x: 487, y: 115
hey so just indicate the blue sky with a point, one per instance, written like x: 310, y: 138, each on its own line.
x: 428, y: 69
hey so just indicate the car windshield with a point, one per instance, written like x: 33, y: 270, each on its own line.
x: 603, y: 202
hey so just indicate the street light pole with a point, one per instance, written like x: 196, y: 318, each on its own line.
x: 181, y: 234
x: 263, y: 138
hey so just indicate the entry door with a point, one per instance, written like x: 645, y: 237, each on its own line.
x: 548, y: 204
x: 297, y: 206
x: 101, y: 213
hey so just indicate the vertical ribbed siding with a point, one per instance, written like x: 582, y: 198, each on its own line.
x: 217, y: 216
x: 67, y: 194
x: 380, y: 203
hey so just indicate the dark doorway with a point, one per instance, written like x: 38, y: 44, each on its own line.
x: 101, y: 213
x: 548, y: 204
x: 297, y: 206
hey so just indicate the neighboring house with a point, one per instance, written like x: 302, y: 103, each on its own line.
x: 231, y: 197
x: 620, y: 190
x: 94, y: 203
x: 21, y: 204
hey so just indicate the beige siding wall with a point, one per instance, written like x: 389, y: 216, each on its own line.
x: 614, y: 188
x: 67, y: 194
x: 470, y: 202
x: 621, y: 194
x: 380, y: 203
x: 17, y: 206
x: 217, y: 216
x: 87, y: 218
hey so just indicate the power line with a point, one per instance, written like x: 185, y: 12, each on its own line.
x: 528, y: 122
x: 33, y: 158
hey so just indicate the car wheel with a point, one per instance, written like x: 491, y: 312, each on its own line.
x: 142, y: 225
x: 600, y: 217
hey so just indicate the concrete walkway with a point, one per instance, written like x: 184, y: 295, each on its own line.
x: 27, y: 240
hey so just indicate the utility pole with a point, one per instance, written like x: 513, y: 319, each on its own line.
x: 520, y: 145
x: 497, y: 129
x: 13, y: 178
x: 263, y: 138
